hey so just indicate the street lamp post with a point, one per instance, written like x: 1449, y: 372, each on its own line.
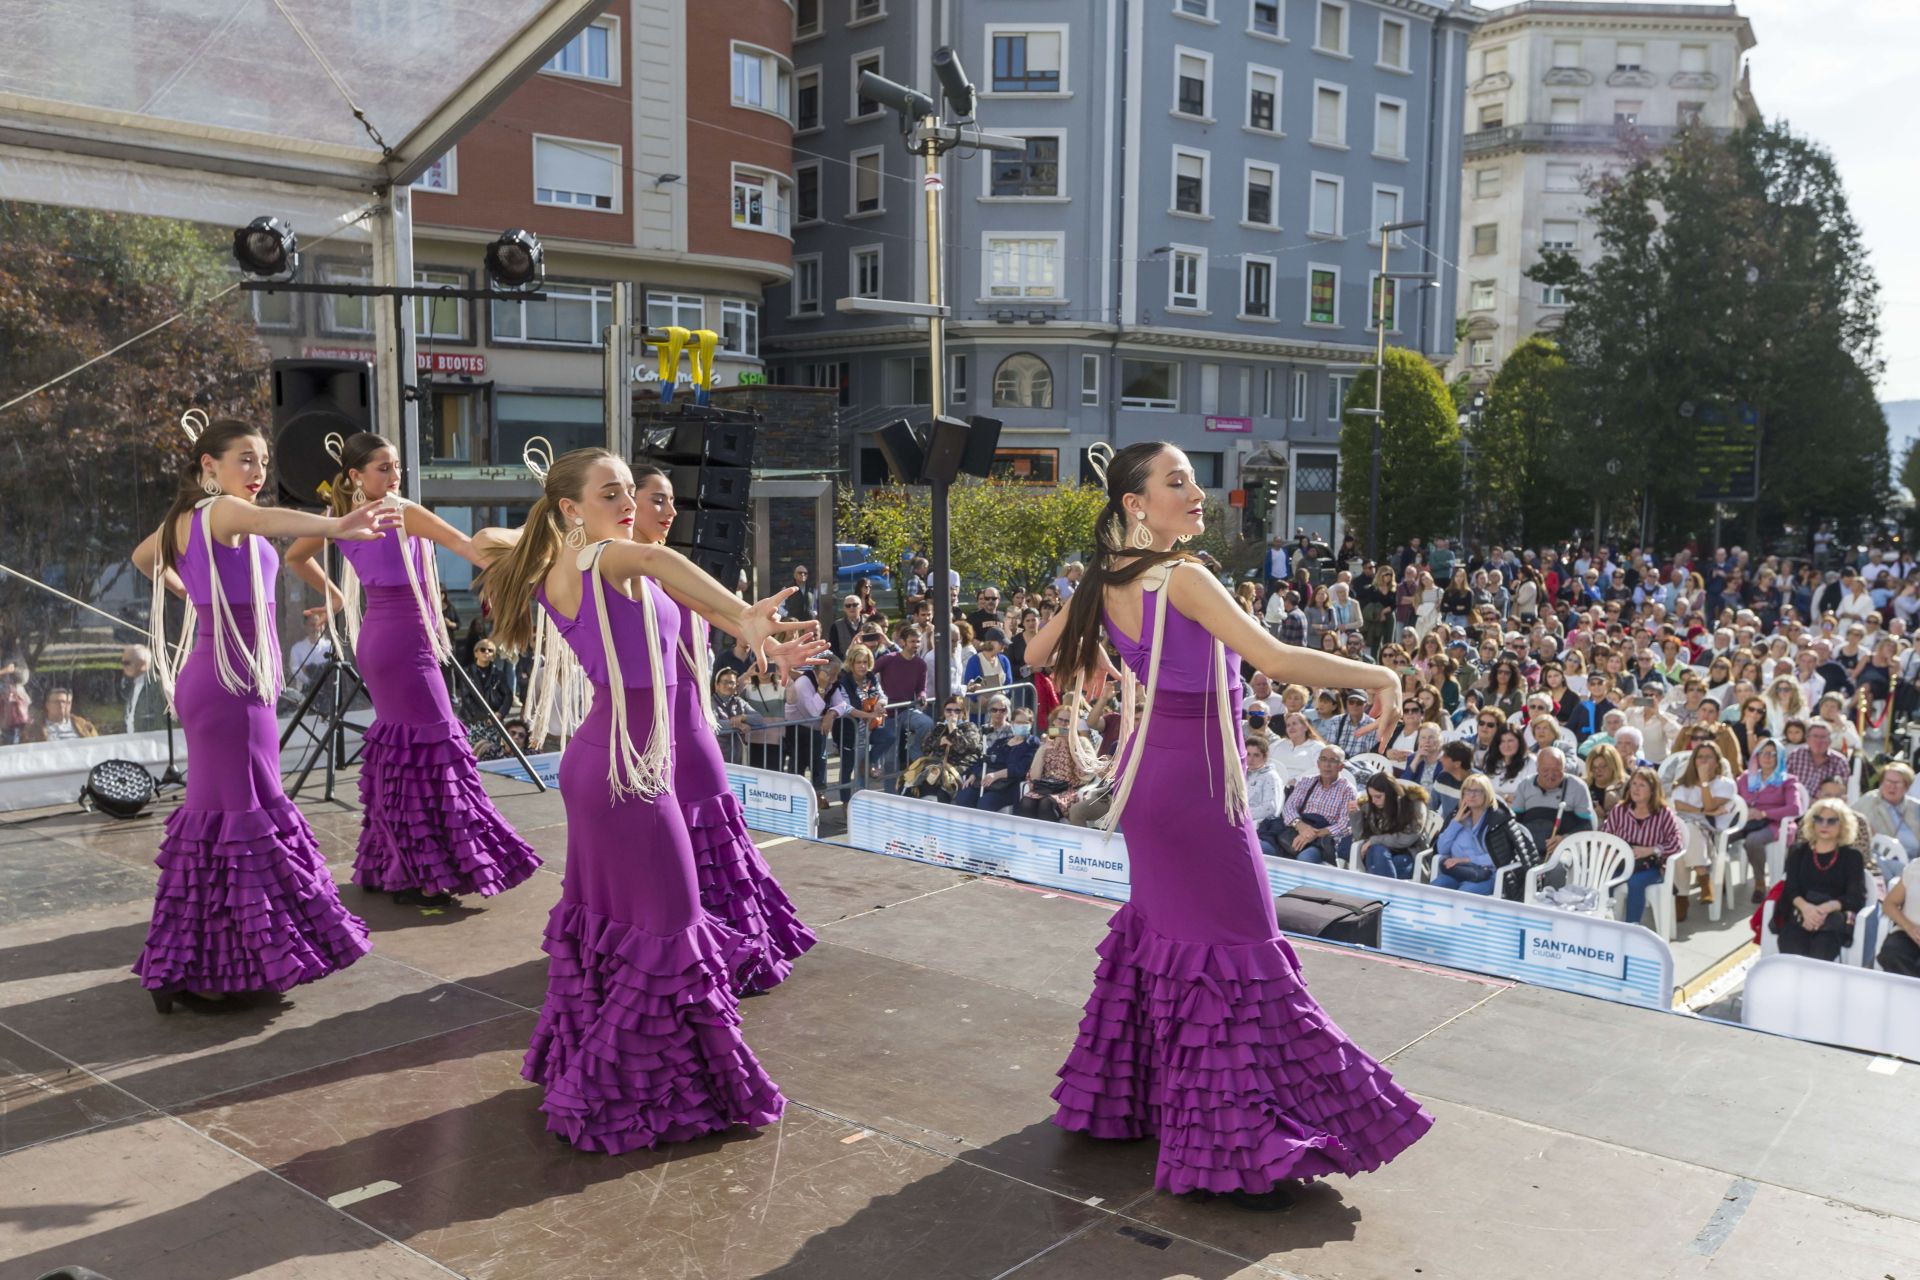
x: 1378, y: 306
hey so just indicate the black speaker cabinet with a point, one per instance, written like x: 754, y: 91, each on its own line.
x: 901, y: 448
x: 724, y: 532
x: 311, y: 399
x: 946, y: 447
x: 983, y: 439
x: 727, y: 444
x: 709, y: 486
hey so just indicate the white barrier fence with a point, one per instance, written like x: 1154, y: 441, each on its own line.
x: 1536, y: 945
x: 33, y: 774
x: 1834, y: 1004
x: 780, y: 803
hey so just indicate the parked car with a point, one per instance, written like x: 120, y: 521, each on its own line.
x: 855, y: 560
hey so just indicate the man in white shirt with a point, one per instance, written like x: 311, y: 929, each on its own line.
x: 140, y: 693
x: 1262, y: 694
x: 309, y: 655
x: 1274, y: 565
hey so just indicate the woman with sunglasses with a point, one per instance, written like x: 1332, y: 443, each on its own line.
x: 1752, y: 726
x: 1825, y: 885
x: 492, y: 677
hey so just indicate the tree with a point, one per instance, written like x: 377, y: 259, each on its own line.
x: 1419, y: 452
x: 91, y: 463
x: 1522, y: 430
x: 1001, y: 531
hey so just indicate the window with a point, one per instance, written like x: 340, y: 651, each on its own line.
x: 1263, y: 99
x: 1388, y: 202
x: 762, y: 80
x: 1628, y: 57
x: 273, y: 310
x: 1563, y: 177
x: 739, y: 328
x: 1493, y: 61
x: 667, y: 310
x: 1264, y: 20
x: 1323, y: 295
x: 1206, y: 468
x: 1209, y: 389
x: 1390, y: 128
x: 1559, y: 235
x: 1393, y: 43
x: 585, y: 175
x: 863, y: 106
x: 1028, y: 61
x: 1383, y: 302
x: 1329, y: 114
x: 1482, y: 297
x: 806, y: 285
x: 1149, y: 384
x: 1026, y: 466
x: 1338, y: 384
x: 1493, y: 115
x: 1266, y: 391
x: 1566, y: 54
x: 1480, y: 351
x: 868, y: 10
x: 439, y: 176
x: 1089, y: 380
x: 1626, y: 111
x: 806, y: 192
x: 1486, y: 183
x: 1023, y: 266
x: 1330, y: 30
x: 1256, y: 288
x: 839, y: 375
x: 806, y: 100
x: 1553, y: 295
x: 346, y: 315
x: 762, y: 201
x: 1564, y: 111
x: 1693, y: 58
x: 1297, y: 410
x: 594, y: 54
x: 444, y: 318
x: 1187, y: 284
x: 1030, y: 175
x: 570, y: 315
x: 1486, y: 238
x: 1325, y: 214
x: 1194, y: 8
x: 1689, y: 114
x: 1261, y: 207
x: 1190, y: 181
x: 806, y: 18
x: 1023, y: 381
x: 1192, y: 79
x: 957, y: 379
x: 864, y: 271
x: 865, y: 175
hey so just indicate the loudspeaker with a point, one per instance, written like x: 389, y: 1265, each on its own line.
x: 946, y: 447
x: 724, y: 532
x: 901, y: 448
x: 312, y: 398
x: 729, y: 444
x: 710, y: 486
x: 983, y: 438
x: 723, y: 568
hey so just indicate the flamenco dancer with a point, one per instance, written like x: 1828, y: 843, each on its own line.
x: 245, y: 902
x: 1199, y: 1030
x: 639, y: 1039
x: 735, y: 883
x: 428, y: 828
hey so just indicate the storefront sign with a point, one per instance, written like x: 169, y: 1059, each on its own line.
x: 468, y: 362
x: 1228, y: 424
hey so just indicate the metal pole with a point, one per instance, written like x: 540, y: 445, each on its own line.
x: 616, y: 363
x: 1379, y: 394
x: 936, y: 385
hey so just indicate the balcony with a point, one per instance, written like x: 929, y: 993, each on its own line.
x: 1574, y: 136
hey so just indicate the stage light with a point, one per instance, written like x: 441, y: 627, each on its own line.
x: 267, y: 249
x: 516, y: 260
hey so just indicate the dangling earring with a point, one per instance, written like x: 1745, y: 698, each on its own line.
x: 208, y: 485
x: 359, y: 495
x: 577, y: 536
x: 1142, y: 537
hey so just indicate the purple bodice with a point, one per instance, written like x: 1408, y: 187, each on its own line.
x: 235, y: 581
x: 582, y: 633
x: 1186, y: 663
x: 378, y: 563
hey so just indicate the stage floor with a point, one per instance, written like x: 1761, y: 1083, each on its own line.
x: 375, y: 1125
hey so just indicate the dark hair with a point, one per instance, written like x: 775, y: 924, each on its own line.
x: 1458, y: 752
x: 1496, y: 764
x: 355, y: 454
x: 1079, y: 649
x: 218, y: 437
x: 1402, y: 812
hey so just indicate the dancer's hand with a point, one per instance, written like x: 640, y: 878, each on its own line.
x: 1103, y: 672
x: 366, y: 524
x: 1386, y: 707
x: 797, y: 654
x: 759, y: 622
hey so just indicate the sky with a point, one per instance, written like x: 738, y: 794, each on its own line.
x: 1842, y: 73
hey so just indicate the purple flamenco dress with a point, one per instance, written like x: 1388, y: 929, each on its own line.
x: 245, y: 901
x: 639, y: 1039
x: 735, y: 883
x: 1200, y: 1030
x: 427, y: 822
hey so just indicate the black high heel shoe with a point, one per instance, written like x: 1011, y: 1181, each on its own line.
x: 1278, y: 1200
x: 415, y: 898
x: 164, y: 998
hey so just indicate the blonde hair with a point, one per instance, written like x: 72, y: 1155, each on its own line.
x: 857, y: 651
x: 1485, y: 784
x: 1849, y: 821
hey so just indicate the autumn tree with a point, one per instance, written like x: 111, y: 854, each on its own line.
x: 1419, y: 452
x: 1001, y: 531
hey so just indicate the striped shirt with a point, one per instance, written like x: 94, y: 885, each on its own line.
x: 1811, y: 773
x: 1332, y: 801
x: 1659, y: 830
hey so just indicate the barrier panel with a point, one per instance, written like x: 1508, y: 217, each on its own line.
x: 1536, y: 945
x: 779, y: 803
x: 1834, y: 1004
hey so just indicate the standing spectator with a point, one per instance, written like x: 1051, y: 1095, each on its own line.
x: 858, y: 704
x: 846, y: 628
x: 986, y: 612
x: 799, y: 606
x: 56, y: 721
x: 1825, y: 885
x: 809, y: 705
x: 903, y: 677
x: 493, y: 678
x: 731, y: 714
x: 308, y: 656
x: 1273, y: 564
x: 989, y: 668
x: 140, y: 692
x: 863, y: 592
x: 1293, y: 621
x: 1647, y: 823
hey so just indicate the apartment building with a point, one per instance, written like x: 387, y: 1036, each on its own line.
x: 1183, y: 251
x: 1560, y: 90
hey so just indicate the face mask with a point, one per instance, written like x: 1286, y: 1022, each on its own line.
x: 1021, y: 730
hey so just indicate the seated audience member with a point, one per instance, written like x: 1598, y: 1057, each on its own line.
x: 1316, y: 814
x: 1263, y: 784
x: 1456, y: 766
x: 1552, y: 804
x: 1900, y: 935
x: 1464, y: 861
x: 1888, y: 811
x: 56, y: 721
x: 1775, y: 800
x: 1703, y: 799
x: 1056, y: 770
x: 1825, y: 886
x: 995, y: 786
x: 1391, y: 827
x: 1647, y: 823
x: 948, y: 753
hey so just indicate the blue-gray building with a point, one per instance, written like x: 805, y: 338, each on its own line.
x: 1184, y: 251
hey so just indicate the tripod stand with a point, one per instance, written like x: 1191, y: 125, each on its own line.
x: 175, y: 776
x: 332, y: 738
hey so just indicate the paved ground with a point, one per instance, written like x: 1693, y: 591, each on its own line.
x: 375, y: 1125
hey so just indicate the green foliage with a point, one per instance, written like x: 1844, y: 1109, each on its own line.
x: 1002, y: 532
x: 1420, y: 452
x: 1522, y: 437
x: 91, y: 463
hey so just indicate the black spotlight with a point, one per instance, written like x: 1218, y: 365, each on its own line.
x: 267, y: 249
x: 516, y: 260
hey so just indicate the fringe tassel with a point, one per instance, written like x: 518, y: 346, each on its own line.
x: 1136, y: 742
x: 349, y: 611
x: 257, y: 674
x: 557, y: 691
x: 1233, y: 767
x: 425, y: 581
x: 631, y: 772
x: 699, y: 660
x: 168, y: 659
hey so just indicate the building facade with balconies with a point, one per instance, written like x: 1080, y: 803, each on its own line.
x: 1183, y: 252
x: 1560, y: 90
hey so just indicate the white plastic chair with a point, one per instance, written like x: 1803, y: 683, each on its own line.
x: 1672, y: 767
x: 1887, y: 850
x: 1855, y: 774
x: 1430, y: 823
x: 1593, y: 860
x: 1720, y: 875
x: 1860, y: 953
x: 1368, y: 763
